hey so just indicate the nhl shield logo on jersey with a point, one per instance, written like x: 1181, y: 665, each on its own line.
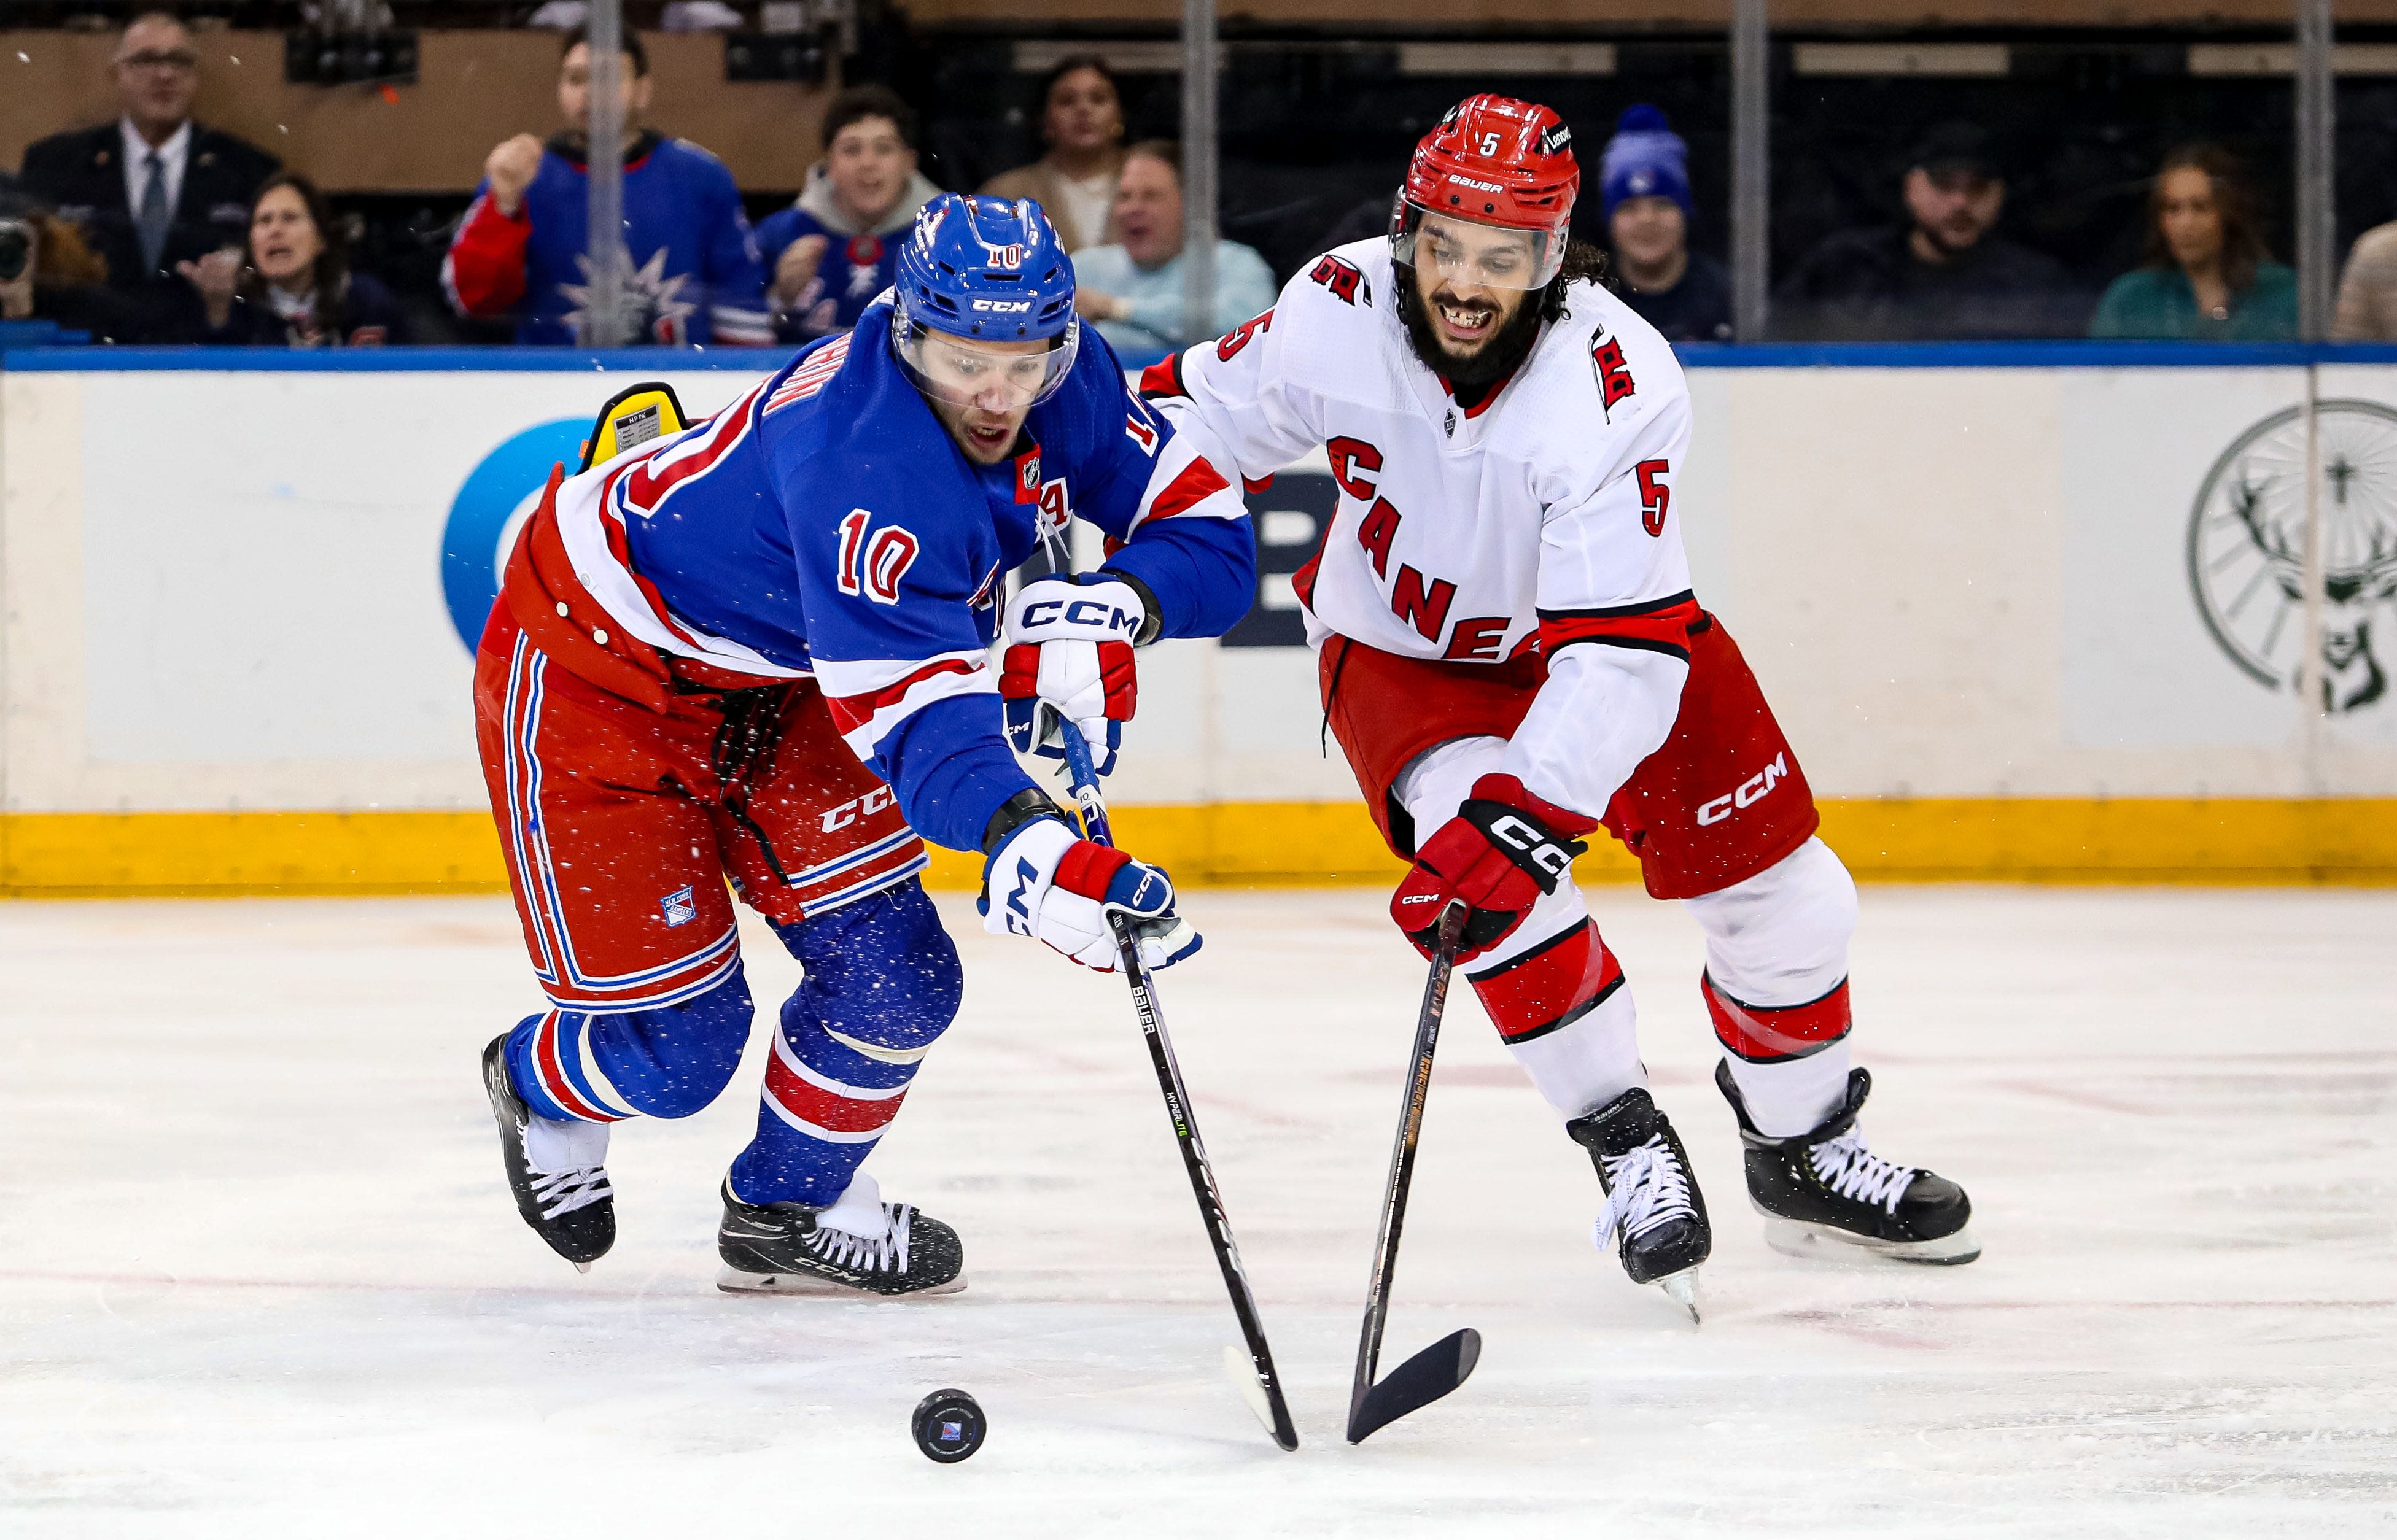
x: 2247, y: 547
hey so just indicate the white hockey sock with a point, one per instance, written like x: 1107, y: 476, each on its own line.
x: 1581, y: 1066
x: 1792, y: 1097
x: 858, y: 1210
x: 552, y: 1145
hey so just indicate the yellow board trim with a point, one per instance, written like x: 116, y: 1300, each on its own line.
x: 1243, y: 844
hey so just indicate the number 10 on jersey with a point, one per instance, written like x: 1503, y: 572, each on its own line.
x: 874, y: 567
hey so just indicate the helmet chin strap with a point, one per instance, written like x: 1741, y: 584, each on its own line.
x: 1499, y: 357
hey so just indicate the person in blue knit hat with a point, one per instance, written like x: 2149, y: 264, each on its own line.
x: 1644, y: 186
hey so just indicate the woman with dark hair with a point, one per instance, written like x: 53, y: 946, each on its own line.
x: 1082, y: 124
x: 2207, y: 275
x: 293, y: 289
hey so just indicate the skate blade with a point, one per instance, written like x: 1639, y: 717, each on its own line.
x: 582, y: 1266
x: 1681, y: 1288
x: 1829, y: 1242
x: 808, y: 1286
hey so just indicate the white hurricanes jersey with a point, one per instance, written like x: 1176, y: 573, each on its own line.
x: 1543, y: 517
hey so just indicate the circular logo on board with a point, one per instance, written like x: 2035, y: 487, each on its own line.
x: 2247, y: 547
x: 499, y: 495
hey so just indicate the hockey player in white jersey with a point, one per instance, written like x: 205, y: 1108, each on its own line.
x: 1511, y: 655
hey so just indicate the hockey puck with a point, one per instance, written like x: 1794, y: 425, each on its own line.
x: 948, y: 1425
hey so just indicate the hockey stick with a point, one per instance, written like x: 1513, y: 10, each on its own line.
x: 1445, y: 1364
x: 1259, y: 1384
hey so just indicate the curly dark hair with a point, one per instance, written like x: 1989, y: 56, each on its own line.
x: 1584, y: 263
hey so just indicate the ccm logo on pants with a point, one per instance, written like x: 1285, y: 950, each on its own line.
x: 1749, y: 793
x: 873, y: 802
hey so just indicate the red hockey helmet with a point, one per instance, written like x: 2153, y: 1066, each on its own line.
x: 1497, y: 162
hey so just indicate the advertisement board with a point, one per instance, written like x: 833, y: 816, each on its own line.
x: 253, y: 591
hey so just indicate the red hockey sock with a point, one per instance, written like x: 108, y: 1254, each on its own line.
x: 1553, y: 985
x: 1761, y: 1034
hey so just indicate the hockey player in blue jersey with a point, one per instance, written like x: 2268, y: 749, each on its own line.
x: 755, y: 648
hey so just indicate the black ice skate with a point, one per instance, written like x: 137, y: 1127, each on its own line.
x: 1824, y: 1190
x: 1653, y: 1203
x: 857, y: 1245
x: 572, y: 1207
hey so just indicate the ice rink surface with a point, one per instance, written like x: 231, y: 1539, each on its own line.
x: 259, y: 1274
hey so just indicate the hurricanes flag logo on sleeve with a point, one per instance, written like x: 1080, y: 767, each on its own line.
x: 1613, y: 372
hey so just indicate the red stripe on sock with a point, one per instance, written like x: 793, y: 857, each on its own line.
x: 830, y: 1110
x: 1763, y: 1033
x: 1542, y: 989
x: 548, y: 1057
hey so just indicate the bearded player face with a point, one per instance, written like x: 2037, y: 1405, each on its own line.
x: 1471, y: 318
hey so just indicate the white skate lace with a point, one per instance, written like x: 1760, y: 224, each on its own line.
x: 1645, y: 1187
x: 561, y: 1192
x: 1851, y: 1170
x: 884, y: 1252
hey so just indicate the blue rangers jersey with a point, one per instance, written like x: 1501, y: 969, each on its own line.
x: 827, y: 524
x: 696, y: 273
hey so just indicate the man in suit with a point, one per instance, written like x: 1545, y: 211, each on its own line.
x: 155, y: 194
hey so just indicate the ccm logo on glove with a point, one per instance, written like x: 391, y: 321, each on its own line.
x: 1505, y: 850
x: 1079, y: 615
x: 1537, y: 852
x: 1069, y: 658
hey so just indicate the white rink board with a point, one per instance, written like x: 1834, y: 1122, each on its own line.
x: 224, y: 589
x: 263, y: 1278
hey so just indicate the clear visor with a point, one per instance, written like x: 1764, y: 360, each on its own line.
x: 992, y: 377
x: 1464, y: 254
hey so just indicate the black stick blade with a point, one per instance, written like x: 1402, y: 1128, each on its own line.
x: 1420, y: 1381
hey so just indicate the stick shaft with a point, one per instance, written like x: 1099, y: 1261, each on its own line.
x: 1177, y: 1105
x: 1402, y: 1154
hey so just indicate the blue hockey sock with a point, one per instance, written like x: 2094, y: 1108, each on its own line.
x: 882, y: 984
x: 667, y: 1061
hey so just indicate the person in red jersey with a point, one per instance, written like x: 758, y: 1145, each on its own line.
x: 1511, y: 656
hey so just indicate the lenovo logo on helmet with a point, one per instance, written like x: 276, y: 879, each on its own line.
x: 1003, y: 307
x: 1554, y: 140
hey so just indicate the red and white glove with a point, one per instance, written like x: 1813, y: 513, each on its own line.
x: 1504, y: 851
x: 1069, y: 655
x: 1044, y: 882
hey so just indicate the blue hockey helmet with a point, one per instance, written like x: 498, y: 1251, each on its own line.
x: 985, y: 269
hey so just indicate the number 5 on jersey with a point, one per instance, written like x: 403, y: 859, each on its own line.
x: 874, y: 567
x: 1654, y: 496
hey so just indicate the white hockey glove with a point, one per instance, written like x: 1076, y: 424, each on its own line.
x: 1042, y: 882
x: 1069, y: 655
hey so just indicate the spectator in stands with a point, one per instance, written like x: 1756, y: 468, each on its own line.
x: 837, y: 246
x: 2367, y: 290
x: 692, y: 275
x: 1132, y: 289
x: 49, y: 272
x: 1082, y: 122
x: 1944, y: 274
x: 2207, y: 274
x: 295, y: 289
x: 153, y: 189
x: 1644, y: 186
